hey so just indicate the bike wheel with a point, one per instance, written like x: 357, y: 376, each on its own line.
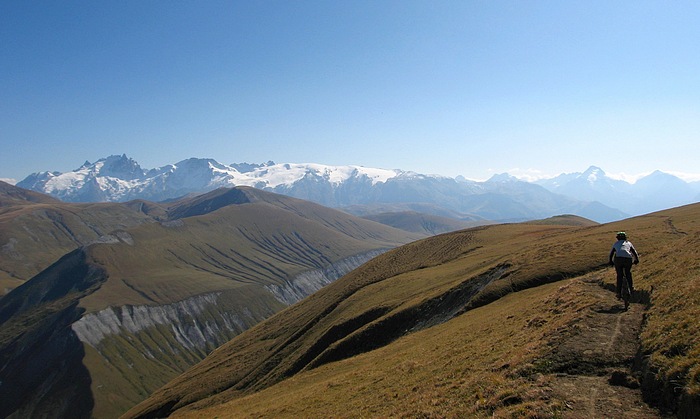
x: 626, y: 293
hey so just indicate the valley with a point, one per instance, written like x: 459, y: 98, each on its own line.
x: 134, y: 308
x: 243, y: 303
x: 349, y: 209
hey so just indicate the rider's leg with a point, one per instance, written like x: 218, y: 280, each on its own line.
x: 628, y: 274
x: 619, y: 270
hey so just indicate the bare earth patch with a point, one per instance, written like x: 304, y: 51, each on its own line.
x: 592, y: 363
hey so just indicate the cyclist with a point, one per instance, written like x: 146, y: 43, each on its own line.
x: 622, y: 256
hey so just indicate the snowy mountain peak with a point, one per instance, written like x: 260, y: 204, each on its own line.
x: 593, y: 174
x: 503, y: 177
x: 249, y: 167
x: 121, y: 167
x: 119, y: 178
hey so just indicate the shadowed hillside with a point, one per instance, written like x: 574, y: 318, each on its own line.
x: 138, y: 306
x: 36, y: 230
x: 482, y: 322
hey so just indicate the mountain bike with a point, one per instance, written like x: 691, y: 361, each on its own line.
x: 626, y: 293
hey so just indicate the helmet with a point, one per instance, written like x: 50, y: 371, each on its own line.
x: 621, y: 235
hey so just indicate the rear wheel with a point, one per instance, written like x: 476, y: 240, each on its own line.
x: 626, y: 293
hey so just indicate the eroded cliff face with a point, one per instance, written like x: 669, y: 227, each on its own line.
x: 198, y: 321
x: 137, y: 349
x: 306, y: 283
x: 181, y: 317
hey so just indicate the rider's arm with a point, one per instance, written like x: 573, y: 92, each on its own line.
x: 612, y: 253
x: 634, y: 252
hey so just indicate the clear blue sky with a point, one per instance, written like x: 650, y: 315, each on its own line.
x: 466, y: 88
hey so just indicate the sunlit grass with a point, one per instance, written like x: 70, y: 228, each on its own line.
x: 467, y: 367
x: 490, y: 360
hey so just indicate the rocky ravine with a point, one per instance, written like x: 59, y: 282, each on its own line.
x: 112, y: 359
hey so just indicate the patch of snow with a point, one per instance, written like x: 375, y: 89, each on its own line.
x: 70, y: 180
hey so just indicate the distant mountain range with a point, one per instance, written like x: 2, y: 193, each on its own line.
x: 362, y: 190
x: 654, y: 192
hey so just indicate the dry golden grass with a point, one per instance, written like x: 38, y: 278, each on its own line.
x: 33, y: 236
x: 467, y: 367
x: 240, y: 242
x: 376, y: 324
x: 671, y: 338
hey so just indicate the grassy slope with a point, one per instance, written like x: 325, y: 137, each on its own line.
x: 421, y: 223
x: 34, y: 235
x: 236, y: 249
x: 373, y: 301
x: 451, y: 370
x: 478, y: 363
x: 233, y: 247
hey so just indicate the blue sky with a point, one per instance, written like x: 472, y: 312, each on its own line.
x: 472, y: 88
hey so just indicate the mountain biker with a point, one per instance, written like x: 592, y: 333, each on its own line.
x: 622, y: 256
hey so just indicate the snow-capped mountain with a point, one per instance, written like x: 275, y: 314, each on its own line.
x: 651, y: 193
x: 119, y: 178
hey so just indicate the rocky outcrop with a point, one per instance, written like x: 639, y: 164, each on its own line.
x: 182, y: 318
x: 306, y: 283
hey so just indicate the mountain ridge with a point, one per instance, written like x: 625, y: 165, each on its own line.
x: 501, y: 198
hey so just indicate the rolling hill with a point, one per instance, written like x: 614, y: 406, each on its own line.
x: 505, y: 320
x: 112, y: 320
x: 36, y: 229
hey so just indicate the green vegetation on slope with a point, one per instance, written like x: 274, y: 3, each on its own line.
x: 463, y: 368
x: 236, y: 246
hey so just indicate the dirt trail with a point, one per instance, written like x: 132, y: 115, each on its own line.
x: 593, y: 361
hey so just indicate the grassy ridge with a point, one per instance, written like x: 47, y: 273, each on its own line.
x: 235, y: 246
x: 450, y: 370
x: 34, y: 235
x: 447, y: 365
x: 379, y: 299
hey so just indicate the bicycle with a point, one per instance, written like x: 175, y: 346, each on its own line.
x: 625, y: 292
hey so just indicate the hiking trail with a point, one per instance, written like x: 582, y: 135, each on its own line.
x: 593, y: 362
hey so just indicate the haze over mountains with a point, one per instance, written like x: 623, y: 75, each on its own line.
x: 362, y: 190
